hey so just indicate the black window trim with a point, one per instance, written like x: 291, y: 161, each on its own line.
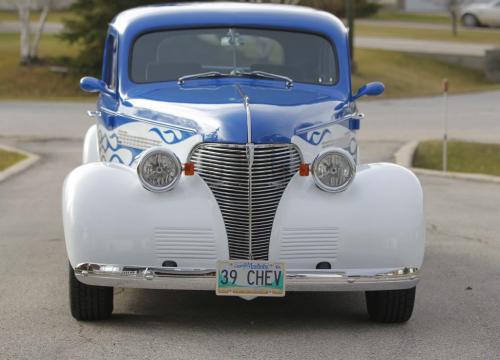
x: 276, y: 28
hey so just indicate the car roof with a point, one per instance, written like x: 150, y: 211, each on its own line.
x: 149, y: 18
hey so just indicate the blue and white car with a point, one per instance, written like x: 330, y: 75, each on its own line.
x: 224, y: 158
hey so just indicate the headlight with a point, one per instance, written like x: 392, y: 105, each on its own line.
x: 333, y: 170
x: 159, y: 169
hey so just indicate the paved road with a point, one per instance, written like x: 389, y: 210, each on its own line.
x: 14, y: 27
x: 422, y: 46
x: 450, y: 322
x: 423, y: 25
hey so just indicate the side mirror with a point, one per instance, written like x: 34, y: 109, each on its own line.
x: 370, y: 89
x: 91, y: 84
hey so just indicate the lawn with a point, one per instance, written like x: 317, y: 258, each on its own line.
x: 9, y: 158
x: 54, y: 16
x: 464, y: 35
x: 37, y: 81
x: 468, y: 157
x: 408, y: 76
x: 430, y: 18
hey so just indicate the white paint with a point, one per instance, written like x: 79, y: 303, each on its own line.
x: 90, y: 148
x: 110, y: 218
x: 379, y: 221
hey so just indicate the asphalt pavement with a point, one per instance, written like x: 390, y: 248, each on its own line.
x: 456, y: 314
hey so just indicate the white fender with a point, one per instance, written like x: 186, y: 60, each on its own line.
x: 90, y: 148
x: 110, y: 218
x: 376, y: 223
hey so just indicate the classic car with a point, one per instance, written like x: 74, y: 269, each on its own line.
x: 224, y: 158
x: 481, y: 13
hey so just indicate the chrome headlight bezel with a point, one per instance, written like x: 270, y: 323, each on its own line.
x: 339, y: 152
x: 146, y: 155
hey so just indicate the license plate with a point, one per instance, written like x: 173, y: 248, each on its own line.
x: 247, y: 277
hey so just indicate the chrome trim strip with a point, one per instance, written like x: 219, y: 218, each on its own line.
x: 358, y: 116
x: 149, y: 121
x: 93, y: 113
x: 204, y: 279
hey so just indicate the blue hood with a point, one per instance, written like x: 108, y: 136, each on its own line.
x: 217, y: 112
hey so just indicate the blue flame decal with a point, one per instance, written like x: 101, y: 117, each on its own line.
x: 117, y: 157
x: 174, y: 136
x: 316, y: 137
x: 105, y: 142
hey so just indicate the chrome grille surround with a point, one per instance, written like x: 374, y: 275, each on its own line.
x: 247, y: 182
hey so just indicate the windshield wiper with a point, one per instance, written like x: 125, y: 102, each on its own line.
x: 266, y: 75
x: 209, y: 74
x: 255, y: 73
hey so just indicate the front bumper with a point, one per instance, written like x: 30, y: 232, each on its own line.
x: 204, y: 279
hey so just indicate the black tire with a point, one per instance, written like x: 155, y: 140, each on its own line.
x: 89, y: 302
x: 390, y: 306
x: 470, y: 20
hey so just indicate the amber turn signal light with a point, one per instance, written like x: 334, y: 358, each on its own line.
x: 304, y: 170
x: 189, y: 169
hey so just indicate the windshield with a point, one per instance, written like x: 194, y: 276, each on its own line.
x: 169, y: 55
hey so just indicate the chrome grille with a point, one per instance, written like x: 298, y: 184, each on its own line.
x: 248, y: 193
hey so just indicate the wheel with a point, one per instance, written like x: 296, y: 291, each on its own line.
x: 390, y: 306
x: 470, y: 20
x: 89, y: 302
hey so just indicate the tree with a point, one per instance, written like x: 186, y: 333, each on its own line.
x: 88, y: 25
x: 28, y: 48
x: 453, y: 7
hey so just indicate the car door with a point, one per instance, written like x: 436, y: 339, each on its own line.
x: 495, y: 14
x: 489, y: 14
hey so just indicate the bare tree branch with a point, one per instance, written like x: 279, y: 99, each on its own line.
x: 39, y: 29
x: 23, y: 9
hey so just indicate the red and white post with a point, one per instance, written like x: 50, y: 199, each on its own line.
x: 445, y: 125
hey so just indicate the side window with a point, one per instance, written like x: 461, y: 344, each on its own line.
x: 110, y: 60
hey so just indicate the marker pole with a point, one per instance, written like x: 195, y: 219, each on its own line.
x: 445, y: 135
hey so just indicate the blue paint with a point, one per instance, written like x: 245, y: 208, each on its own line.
x: 183, y: 135
x: 354, y: 124
x: 214, y: 108
x: 370, y: 89
x: 315, y: 137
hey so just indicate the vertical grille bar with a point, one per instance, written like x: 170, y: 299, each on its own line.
x: 248, y: 194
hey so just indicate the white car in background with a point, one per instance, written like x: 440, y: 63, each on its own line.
x: 481, y: 13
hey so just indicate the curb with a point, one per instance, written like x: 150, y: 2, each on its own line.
x: 20, y: 166
x: 404, y: 157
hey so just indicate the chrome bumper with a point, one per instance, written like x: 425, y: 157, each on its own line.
x: 204, y: 279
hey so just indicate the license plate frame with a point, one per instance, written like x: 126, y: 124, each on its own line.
x: 253, y: 278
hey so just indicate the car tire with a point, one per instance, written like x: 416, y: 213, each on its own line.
x: 89, y: 302
x: 390, y: 306
x: 469, y: 20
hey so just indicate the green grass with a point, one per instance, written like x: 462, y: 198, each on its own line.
x: 36, y: 82
x: 468, y: 157
x: 54, y: 16
x: 408, y: 76
x: 392, y: 15
x: 464, y: 35
x: 9, y: 158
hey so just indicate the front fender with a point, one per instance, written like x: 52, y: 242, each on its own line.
x: 90, y: 148
x: 110, y: 218
x: 376, y: 223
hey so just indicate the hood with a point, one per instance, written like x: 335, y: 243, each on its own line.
x: 218, y: 112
